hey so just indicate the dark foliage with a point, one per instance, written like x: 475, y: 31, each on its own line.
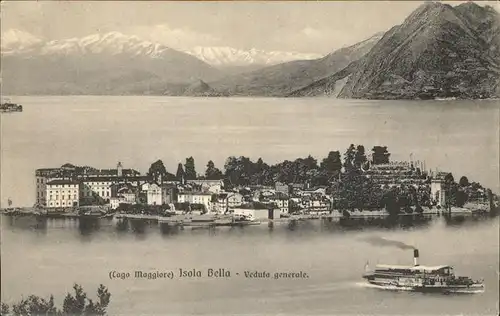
x: 74, y: 304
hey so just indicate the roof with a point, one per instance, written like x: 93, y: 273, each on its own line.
x: 114, y: 179
x: 114, y: 172
x: 55, y: 182
x: 205, y: 181
x: 46, y: 171
x: 194, y: 193
x: 415, y: 268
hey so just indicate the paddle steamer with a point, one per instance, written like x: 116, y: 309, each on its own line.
x: 419, y: 278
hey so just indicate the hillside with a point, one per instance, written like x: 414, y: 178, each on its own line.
x: 279, y: 80
x: 200, y: 89
x: 438, y: 52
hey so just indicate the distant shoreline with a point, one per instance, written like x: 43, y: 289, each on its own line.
x: 236, y: 96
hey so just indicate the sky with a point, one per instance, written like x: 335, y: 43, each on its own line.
x: 309, y: 27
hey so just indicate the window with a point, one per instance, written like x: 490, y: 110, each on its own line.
x: 50, y: 197
x: 74, y: 197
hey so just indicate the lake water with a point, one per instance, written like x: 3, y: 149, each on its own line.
x: 48, y: 256
x: 459, y: 136
x: 45, y: 257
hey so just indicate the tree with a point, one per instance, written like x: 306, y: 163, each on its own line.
x: 491, y: 197
x: 450, y: 189
x: 448, y: 178
x: 157, y: 171
x: 261, y: 174
x: 190, y: 169
x: 461, y: 198
x: 212, y: 173
x: 180, y: 175
x: 77, y: 304
x: 464, y: 182
x: 332, y: 164
x: 349, y: 158
x: 390, y: 201
x: 5, y: 309
x: 359, y: 156
x: 351, y: 188
x: 380, y: 155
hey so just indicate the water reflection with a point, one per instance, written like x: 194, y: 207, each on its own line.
x: 270, y: 225
x: 141, y: 228
x: 169, y: 230
x: 87, y: 226
x: 455, y: 221
x: 389, y: 222
x: 31, y: 223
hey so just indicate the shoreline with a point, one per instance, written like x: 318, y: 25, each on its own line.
x: 212, y: 219
x: 236, y: 96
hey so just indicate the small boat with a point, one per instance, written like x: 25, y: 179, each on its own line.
x: 417, y: 278
x: 8, y: 106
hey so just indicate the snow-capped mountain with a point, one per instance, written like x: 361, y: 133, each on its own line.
x: 228, y: 56
x: 12, y: 40
x: 15, y: 42
x: 113, y: 43
x: 111, y: 63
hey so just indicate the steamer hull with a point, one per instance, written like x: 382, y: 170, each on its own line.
x: 425, y: 279
x: 392, y: 285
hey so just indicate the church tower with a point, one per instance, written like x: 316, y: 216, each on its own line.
x: 119, y: 169
x: 438, y: 192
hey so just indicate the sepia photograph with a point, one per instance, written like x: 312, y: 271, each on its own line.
x: 250, y: 158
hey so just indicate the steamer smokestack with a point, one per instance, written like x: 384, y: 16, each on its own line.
x: 415, y: 257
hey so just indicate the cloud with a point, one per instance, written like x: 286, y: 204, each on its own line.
x: 178, y: 38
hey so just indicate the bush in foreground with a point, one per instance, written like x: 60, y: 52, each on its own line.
x: 74, y: 304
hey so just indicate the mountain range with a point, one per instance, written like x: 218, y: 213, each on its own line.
x: 232, y: 57
x: 439, y: 51
x: 283, y: 79
x: 110, y: 63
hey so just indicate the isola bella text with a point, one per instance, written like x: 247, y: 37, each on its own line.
x: 206, y: 273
